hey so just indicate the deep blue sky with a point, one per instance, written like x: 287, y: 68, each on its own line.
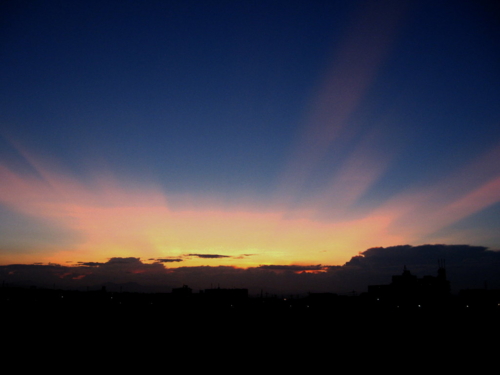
x: 326, y: 110
x: 171, y: 88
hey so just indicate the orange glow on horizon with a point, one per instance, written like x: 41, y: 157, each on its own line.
x: 112, y: 221
x: 108, y: 218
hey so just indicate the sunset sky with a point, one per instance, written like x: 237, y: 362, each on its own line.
x: 246, y: 133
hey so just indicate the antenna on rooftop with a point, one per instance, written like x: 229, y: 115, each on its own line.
x: 442, y: 268
x: 441, y: 263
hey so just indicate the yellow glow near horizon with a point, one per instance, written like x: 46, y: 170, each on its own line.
x: 110, y: 218
x: 113, y: 221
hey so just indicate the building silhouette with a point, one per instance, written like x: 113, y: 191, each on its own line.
x: 409, y: 291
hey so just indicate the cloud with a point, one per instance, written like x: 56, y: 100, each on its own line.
x: 124, y: 261
x: 293, y: 268
x: 209, y: 256
x: 169, y: 260
x: 243, y: 256
x: 467, y: 267
x: 90, y: 264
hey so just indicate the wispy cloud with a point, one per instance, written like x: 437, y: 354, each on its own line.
x: 293, y: 268
x: 169, y: 260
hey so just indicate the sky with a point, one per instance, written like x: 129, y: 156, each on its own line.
x: 241, y: 135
